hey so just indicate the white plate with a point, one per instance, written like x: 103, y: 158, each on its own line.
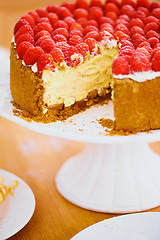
x: 21, y: 206
x: 138, y: 226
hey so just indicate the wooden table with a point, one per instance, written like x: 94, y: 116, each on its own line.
x: 36, y: 158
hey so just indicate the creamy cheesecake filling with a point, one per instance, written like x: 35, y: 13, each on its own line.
x: 69, y: 85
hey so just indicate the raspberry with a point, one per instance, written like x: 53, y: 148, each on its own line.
x: 57, y: 55
x: 151, y: 19
x: 107, y: 27
x: 83, y: 48
x: 62, y: 31
x: 156, y: 49
x: 95, y: 13
x: 104, y: 32
x: 72, y: 56
x: 41, y: 34
x: 92, y: 44
x: 152, y: 33
x: 136, y: 22
x: 144, y: 51
x: 19, y: 24
x: 92, y: 34
x: 89, y: 29
x: 125, y: 17
x: 117, y: 2
x: 122, y: 21
x: 69, y: 5
x: 76, y: 32
x: 111, y: 15
x: 143, y: 9
x: 76, y: 26
x: 128, y: 58
x: 156, y: 45
x: 96, y: 3
x: 129, y: 2
x: 43, y: 26
x: 62, y: 45
x: 35, y: 16
x: 22, y: 48
x: 140, y: 62
x: 60, y: 24
x: 143, y: 3
x: 120, y: 66
x: 154, y: 5
x: 104, y: 35
x: 43, y: 19
x: 80, y: 13
x: 151, y: 26
x: 52, y: 8
x: 137, y: 39
x: 126, y: 43
x: 24, y: 29
x: 74, y: 40
x: 25, y: 38
x: 47, y: 45
x: 127, y: 50
x: 69, y: 20
x: 145, y: 45
x: 156, y: 61
x: 42, y: 39
x: 106, y: 20
x: 82, y: 22
x: 111, y: 7
x: 32, y: 54
x: 156, y: 12
x: 141, y: 15
x: 29, y: 19
x: 128, y: 10
x: 59, y: 38
x: 63, y: 12
x: 42, y: 12
x: 121, y: 36
x: 136, y: 29
x: 81, y: 4
x: 45, y: 61
x: 92, y: 23
x: 123, y: 28
x: 153, y: 41
x: 53, y: 18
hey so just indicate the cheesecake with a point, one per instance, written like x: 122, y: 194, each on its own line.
x: 67, y: 58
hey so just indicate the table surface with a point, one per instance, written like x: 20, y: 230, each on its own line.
x: 36, y: 158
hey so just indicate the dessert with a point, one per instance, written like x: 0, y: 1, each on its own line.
x: 69, y: 57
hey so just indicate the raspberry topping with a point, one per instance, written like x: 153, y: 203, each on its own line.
x: 83, y: 48
x: 140, y: 62
x: 25, y: 38
x: 72, y: 56
x: 120, y: 66
x: 23, y: 46
x: 45, y: 61
x: 32, y: 54
x: 71, y: 31
x: 57, y: 55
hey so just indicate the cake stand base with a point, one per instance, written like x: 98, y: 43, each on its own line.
x: 115, y: 178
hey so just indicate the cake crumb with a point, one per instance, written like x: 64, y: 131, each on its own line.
x: 111, y: 128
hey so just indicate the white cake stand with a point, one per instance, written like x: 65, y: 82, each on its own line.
x: 117, y: 174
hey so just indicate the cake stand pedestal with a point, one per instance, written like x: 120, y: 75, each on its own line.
x: 116, y: 178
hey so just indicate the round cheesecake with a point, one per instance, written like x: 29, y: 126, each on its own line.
x: 66, y: 58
